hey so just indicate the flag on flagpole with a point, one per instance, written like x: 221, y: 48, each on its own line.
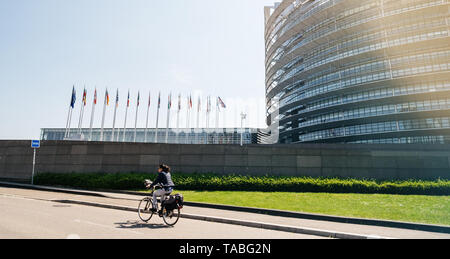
x: 114, y: 119
x: 190, y: 101
x: 136, y: 120
x: 83, y: 104
x: 84, y: 97
x: 199, y: 107
x: 207, y: 112
x: 107, y: 97
x: 170, y: 102
x: 73, y: 98
x: 104, y: 112
x: 217, y: 112
x: 222, y: 104
x: 169, y: 106
x: 92, y: 114
x: 188, y: 113
x: 159, y: 100
x: 126, y: 116
x: 146, y: 118
x: 117, y: 98
x: 157, y: 117
x: 138, y: 98
x: 178, y: 118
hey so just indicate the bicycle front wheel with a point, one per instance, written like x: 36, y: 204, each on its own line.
x: 171, y: 217
x: 145, y: 209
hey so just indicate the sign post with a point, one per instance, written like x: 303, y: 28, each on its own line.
x: 35, y: 144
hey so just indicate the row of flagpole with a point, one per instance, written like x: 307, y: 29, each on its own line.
x: 219, y: 103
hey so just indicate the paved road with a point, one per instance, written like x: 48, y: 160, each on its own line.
x: 22, y: 217
x: 185, y: 228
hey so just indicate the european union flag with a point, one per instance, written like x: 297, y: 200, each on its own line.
x: 74, y: 98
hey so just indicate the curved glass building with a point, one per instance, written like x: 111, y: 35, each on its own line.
x: 358, y: 71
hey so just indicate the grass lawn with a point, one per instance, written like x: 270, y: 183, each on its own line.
x: 409, y: 208
x: 331, y: 196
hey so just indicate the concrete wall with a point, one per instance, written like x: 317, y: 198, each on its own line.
x: 360, y: 161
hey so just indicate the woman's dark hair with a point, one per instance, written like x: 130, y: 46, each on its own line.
x: 165, y: 168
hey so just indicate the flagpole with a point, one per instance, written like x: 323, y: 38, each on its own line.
x: 115, y: 113
x: 126, y: 115
x: 135, y: 122
x: 67, y: 123
x: 168, y: 118
x: 82, y: 114
x: 82, y: 118
x: 178, y: 118
x: 72, y: 105
x: 187, y: 114
x: 103, y: 116
x: 188, y: 119
x: 125, y: 125
x: 92, y: 114
x: 79, y: 118
x: 224, y: 119
x: 70, y: 122
x: 157, y: 117
x: 198, y: 113
x: 198, y: 119
x: 217, y: 113
x: 146, y: 121
x: 83, y: 103
x: 208, y: 108
x: 207, y: 118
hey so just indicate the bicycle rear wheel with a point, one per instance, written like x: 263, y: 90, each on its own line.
x: 145, y: 209
x: 171, y: 217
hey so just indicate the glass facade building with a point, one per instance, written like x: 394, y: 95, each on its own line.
x: 358, y: 71
x: 230, y: 136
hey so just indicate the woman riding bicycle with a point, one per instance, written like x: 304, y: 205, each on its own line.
x: 165, y: 180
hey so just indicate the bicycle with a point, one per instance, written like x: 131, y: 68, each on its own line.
x: 170, y: 207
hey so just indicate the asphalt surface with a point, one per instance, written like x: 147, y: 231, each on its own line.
x: 25, y: 212
x: 22, y: 217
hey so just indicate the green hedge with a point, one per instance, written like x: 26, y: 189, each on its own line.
x: 211, y: 182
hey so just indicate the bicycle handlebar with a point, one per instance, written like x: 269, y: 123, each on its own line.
x: 148, y: 183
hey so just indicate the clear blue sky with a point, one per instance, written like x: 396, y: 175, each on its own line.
x: 203, y: 47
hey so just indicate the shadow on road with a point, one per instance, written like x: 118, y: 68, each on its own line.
x: 140, y: 224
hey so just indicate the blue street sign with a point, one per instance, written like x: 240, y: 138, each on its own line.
x: 35, y: 144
